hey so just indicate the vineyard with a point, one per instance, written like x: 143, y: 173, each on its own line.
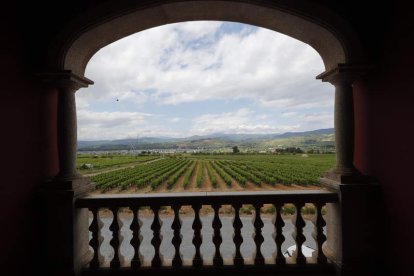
x: 214, y: 172
x: 90, y: 163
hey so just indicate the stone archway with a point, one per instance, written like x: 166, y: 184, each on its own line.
x: 115, y: 19
x: 319, y: 28
x: 97, y: 28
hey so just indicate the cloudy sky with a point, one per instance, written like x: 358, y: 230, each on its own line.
x: 203, y: 77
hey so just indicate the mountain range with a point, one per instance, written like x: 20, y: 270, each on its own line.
x: 316, y: 139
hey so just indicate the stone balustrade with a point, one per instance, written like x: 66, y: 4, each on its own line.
x: 298, y: 262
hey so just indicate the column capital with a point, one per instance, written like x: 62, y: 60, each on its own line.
x: 65, y: 79
x: 344, y: 73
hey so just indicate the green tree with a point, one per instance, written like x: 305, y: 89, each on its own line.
x: 236, y: 149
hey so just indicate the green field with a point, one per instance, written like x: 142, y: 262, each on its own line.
x: 99, y: 162
x: 208, y: 172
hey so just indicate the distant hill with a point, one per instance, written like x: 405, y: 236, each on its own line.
x: 319, y: 139
x: 306, y: 133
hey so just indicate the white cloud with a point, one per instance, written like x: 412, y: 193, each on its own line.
x: 194, y: 62
x: 195, y: 30
x: 119, y: 125
x: 318, y: 120
x: 166, y: 65
x: 241, y: 121
x: 175, y: 120
x: 81, y: 103
x: 290, y: 114
x: 109, y: 125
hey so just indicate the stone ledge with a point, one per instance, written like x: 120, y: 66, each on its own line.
x: 64, y: 77
x: 345, y: 72
x: 77, y: 186
x: 332, y: 176
x: 336, y: 186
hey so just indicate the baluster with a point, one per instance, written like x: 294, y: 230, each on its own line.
x: 237, y: 239
x: 298, y: 234
x: 258, y: 237
x: 101, y: 238
x: 197, y: 239
x: 176, y: 241
x: 217, y: 240
x: 279, y: 237
x: 94, y: 242
x: 135, y: 241
x: 156, y: 239
x: 318, y: 234
x: 115, y: 241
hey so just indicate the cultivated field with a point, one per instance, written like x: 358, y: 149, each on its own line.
x: 178, y: 173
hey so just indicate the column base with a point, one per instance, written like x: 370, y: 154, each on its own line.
x: 65, y: 228
x: 354, y: 227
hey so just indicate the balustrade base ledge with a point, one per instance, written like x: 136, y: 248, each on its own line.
x: 263, y: 270
x: 205, y: 198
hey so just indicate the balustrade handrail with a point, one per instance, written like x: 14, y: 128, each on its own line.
x: 257, y: 199
x: 206, y: 198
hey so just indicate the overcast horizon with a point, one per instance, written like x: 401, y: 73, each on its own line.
x: 181, y: 137
x: 200, y: 78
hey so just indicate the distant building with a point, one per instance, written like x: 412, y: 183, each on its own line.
x: 87, y: 166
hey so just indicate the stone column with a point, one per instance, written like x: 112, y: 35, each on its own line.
x: 67, y: 84
x: 342, y: 78
x: 344, y: 126
x: 65, y: 226
x: 351, y: 223
x: 67, y: 129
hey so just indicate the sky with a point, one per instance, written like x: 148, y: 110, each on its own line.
x: 203, y: 77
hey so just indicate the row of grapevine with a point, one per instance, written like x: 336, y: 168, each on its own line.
x: 269, y: 172
x: 252, y: 173
x: 173, y: 178
x: 125, y: 177
x: 156, y: 180
x: 258, y: 170
x: 284, y: 173
x: 225, y: 176
x: 139, y: 176
x: 188, y: 174
x: 236, y: 176
x: 282, y: 169
x: 200, y: 178
x: 148, y: 178
x: 247, y: 174
x: 211, y: 175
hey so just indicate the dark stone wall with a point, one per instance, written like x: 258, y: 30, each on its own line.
x: 28, y: 149
x: 384, y: 105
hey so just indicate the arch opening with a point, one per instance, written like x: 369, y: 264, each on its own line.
x: 225, y: 82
